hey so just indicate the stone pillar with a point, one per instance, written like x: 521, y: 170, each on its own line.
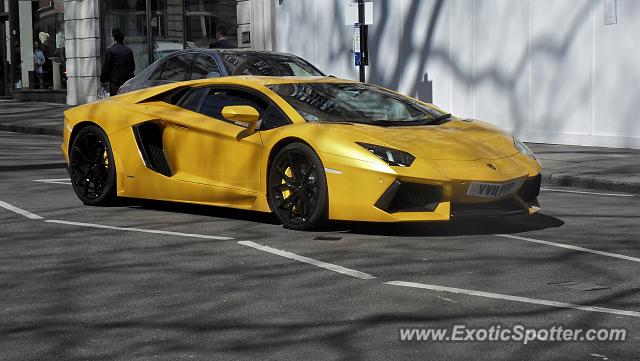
x: 262, y: 24
x: 82, y: 45
x: 26, y: 40
x: 175, y: 25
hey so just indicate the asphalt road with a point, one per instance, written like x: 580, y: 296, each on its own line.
x: 163, y: 281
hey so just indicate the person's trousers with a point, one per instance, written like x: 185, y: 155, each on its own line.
x: 113, y: 89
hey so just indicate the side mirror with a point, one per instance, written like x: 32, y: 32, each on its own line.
x: 242, y: 114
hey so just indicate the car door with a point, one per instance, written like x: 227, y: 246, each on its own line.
x: 205, y: 147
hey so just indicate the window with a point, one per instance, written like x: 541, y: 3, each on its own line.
x: 256, y: 63
x: 156, y: 73
x: 275, y: 118
x: 210, y: 20
x: 204, y: 67
x: 217, y: 99
x: 192, y: 100
x: 355, y: 103
x: 176, y: 68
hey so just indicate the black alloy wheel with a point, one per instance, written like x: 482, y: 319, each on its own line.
x: 91, y: 167
x: 297, y: 191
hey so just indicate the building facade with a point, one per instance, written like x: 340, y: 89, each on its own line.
x: 73, y: 35
x: 559, y: 71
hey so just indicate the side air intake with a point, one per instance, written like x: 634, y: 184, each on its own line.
x: 149, y: 139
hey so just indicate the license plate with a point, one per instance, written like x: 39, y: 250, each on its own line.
x: 494, y: 190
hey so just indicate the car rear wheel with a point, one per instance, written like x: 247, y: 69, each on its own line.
x: 91, y: 167
x: 297, y: 191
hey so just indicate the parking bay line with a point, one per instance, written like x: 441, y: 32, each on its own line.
x: 19, y: 211
x: 358, y: 274
x: 520, y: 299
x: 65, y: 181
x: 311, y: 261
x: 142, y: 230
x: 498, y: 296
x: 571, y: 247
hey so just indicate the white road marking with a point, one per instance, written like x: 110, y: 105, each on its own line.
x: 568, y: 246
x: 592, y: 193
x: 499, y: 296
x: 102, y: 226
x: 20, y: 211
x: 65, y: 181
x: 311, y: 261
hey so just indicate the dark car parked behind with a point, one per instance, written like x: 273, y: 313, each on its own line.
x: 193, y: 64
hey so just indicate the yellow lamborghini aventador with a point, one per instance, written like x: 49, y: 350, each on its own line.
x: 307, y: 149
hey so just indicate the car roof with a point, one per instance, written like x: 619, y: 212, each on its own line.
x: 238, y: 52
x: 252, y: 81
x: 267, y: 80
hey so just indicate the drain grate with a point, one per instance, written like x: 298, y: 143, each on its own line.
x: 327, y: 238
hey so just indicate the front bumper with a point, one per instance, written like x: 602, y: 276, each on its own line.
x: 429, y: 190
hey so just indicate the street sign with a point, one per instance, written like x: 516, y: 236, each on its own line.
x: 351, y: 13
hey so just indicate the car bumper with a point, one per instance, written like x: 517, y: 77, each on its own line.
x: 429, y: 190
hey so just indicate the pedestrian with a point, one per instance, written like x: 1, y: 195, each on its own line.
x: 38, y: 60
x: 221, y: 39
x: 118, y: 63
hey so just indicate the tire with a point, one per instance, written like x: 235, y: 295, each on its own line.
x: 297, y: 188
x: 91, y: 167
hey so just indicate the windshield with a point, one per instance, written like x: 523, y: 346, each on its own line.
x: 355, y: 103
x: 255, y: 63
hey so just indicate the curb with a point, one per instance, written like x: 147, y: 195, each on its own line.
x: 30, y: 130
x: 586, y: 181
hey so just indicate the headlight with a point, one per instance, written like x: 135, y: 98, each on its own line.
x: 392, y: 156
x: 522, y: 148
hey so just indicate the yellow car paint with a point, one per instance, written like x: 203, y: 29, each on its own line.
x: 213, y: 165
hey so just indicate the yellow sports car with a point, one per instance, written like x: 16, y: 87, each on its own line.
x: 309, y: 149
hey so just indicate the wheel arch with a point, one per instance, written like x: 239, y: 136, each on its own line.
x: 77, y: 128
x: 278, y: 146
x: 119, y: 166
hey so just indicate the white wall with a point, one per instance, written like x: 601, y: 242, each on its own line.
x: 550, y: 71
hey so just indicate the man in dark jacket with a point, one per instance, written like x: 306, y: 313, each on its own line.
x: 118, y: 63
x: 221, y: 39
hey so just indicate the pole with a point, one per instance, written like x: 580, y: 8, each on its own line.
x: 13, y: 26
x: 361, y: 21
x: 3, y: 49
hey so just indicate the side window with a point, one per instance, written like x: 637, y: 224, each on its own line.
x: 218, y: 98
x: 192, y: 100
x: 156, y: 73
x: 203, y: 66
x: 274, y: 118
x: 176, y: 68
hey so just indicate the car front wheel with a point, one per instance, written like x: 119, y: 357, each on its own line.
x: 298, y: 188
x: 91, y: 167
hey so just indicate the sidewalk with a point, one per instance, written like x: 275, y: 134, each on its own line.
x: 608, y: 169
x: 31, y: 117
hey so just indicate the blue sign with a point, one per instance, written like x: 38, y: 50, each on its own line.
x: 358, y: 58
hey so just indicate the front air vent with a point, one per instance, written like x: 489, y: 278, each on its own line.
x: 410, y: 197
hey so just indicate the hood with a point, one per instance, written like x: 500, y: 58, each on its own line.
x: 454, y: 140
